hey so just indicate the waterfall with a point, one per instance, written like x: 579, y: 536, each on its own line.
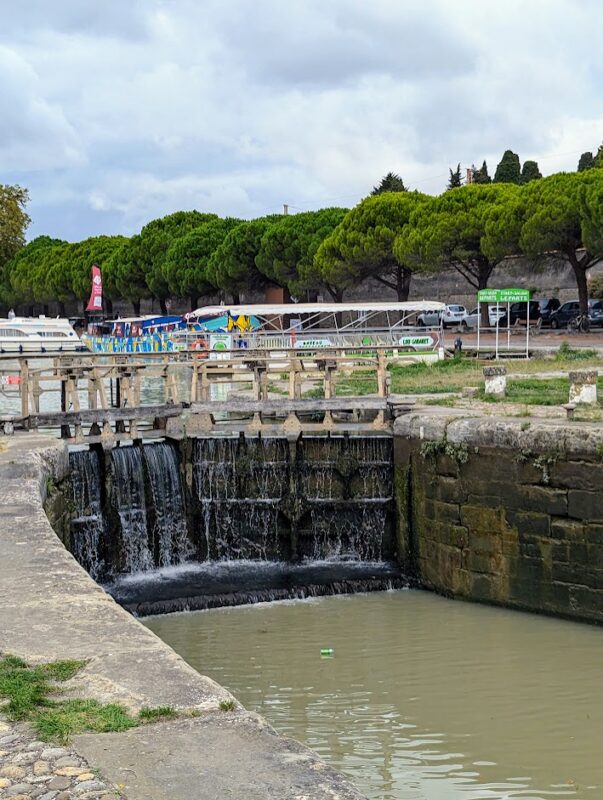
x: 257, y: 518
x: 347, y: 484
x: 87, y: 525
x: 169, y: 532
x: 239, y: 485
x: 128, y: 499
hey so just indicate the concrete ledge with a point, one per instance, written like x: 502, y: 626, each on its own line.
x: 50, y: 608
x: 582, y: 439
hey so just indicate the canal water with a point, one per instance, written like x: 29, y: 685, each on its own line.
x: 423, y: 698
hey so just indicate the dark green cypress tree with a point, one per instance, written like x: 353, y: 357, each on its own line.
x: 530, y: 172
x: 390, y: 183
x: 455, y: 178
x: 509, y: 168
x: 481, y: 175
x: 587, y: 161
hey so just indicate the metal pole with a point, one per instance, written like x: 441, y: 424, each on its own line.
x: 497, y: 328
x: 528, y: 331
x: 508, y: 329
x: 479, y: 314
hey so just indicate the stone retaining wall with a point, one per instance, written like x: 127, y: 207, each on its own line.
x: 51, y: 609
x: 503, y: 511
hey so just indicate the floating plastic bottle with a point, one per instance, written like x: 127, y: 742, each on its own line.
x: 326, y: 651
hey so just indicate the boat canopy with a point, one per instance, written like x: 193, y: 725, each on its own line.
x: 264, y: 309
x: 319, y: 315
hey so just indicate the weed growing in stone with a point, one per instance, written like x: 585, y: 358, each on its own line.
x: 543, y: 462
x: 442, y: 447
x: 227, y: 705
x: 151, y: 714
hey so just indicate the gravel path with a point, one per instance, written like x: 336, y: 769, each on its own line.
x: 30, y: 768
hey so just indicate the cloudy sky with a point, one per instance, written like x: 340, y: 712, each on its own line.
x: 118, y: 111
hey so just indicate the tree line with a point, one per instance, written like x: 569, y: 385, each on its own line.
x: 389, y: 236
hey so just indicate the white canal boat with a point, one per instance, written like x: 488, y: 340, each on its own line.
x: 38, y: 335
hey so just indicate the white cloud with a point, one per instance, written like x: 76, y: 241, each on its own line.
x: 117, y: 112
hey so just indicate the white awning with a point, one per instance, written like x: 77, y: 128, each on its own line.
x: 264, y: 310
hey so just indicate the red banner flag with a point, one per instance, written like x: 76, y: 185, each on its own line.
x: 96, y: 295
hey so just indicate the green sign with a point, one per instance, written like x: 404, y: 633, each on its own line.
x: 503, y: 296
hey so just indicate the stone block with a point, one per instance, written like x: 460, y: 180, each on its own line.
x: 594, y: 533
x: 543, y: 499
x: 577, y: 575
x: 495, y: 381
x: 567, y: 530
x: 560, y: 552
x: 449, y: 490
x: 485, y: 543
x: 529, y: 522
x: 577, y: 475
x: 585, y: 505
x: 583, y: 387
x: 594, y: 556
x: 589, y: 601
x: 443, y: 512
x: 510, y: 542
x: 490, y: 564
x: 484, y: 587
x: 481, y: 519
x: 529, y: 549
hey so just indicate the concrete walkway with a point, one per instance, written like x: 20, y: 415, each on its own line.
x: 51, y: 609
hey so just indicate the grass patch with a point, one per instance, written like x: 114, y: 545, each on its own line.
x: 152, y: 714
x: 535, y: 391
x: 29, y: 693
x: 568, y: 353
x: 227, y: 705
x: 450, y: 402
x: 453, y: 375
x: 62, y: 720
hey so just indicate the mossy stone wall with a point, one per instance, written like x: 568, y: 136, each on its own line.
x: 503, y: 512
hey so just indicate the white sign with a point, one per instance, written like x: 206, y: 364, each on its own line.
x: 219, y: 345
x: 416, y: 341
x: 312, y: 344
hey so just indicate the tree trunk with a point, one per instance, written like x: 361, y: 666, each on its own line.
x: 62, y: 311
x: 403, y: 279
x: 162, y: 305
x: 485, y: 270
x: 236, y: 298
x: 336, y: 294
x: 136, y: 307
x: 109, y: 307
x: 194, y: 300
x: 581, y: 283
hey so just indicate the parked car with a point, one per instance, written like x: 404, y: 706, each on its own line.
x: 519, y: 311
x: 471, y: 319
x: 451, y: 315
x: 547, y: 307
x: 570, y: 310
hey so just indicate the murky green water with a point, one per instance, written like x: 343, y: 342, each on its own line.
x: 423, y: 698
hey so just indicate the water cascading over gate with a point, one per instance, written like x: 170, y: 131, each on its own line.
x: 235, y: 511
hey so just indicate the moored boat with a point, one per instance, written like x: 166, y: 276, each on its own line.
x: 38, y: 335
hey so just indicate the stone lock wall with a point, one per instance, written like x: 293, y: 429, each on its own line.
x: 503, y: 511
